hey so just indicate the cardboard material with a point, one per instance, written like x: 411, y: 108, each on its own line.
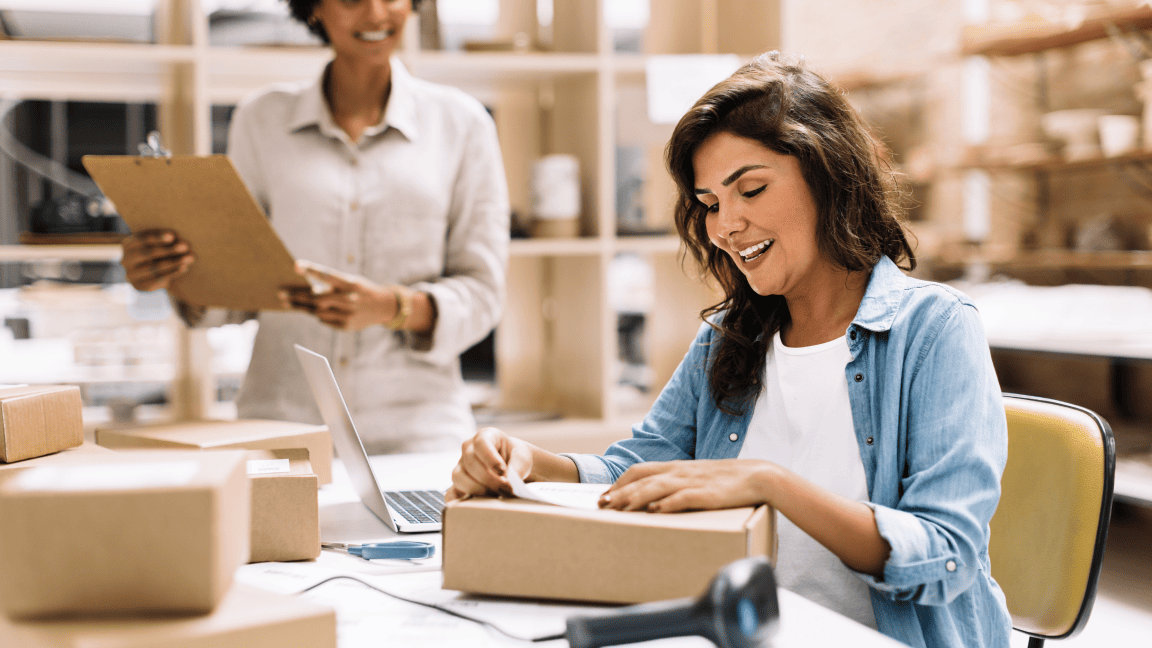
x: 285, y: 506
x: 130, y: 532
x: 79, y: 454
x: 39, y: 420
x: 240, y: 261
x: 513, y: 547
x: 247, y: 617
x: 245, y: 434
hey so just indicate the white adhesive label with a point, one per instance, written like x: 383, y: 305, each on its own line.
x: 268, y: 466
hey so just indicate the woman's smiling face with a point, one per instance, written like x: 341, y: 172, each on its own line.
x: 363, y: 29
x: 760, y: 212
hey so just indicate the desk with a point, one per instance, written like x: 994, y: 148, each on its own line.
x: 367, y: 618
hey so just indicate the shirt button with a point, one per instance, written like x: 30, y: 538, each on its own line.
x: 354, y: 161
x: 859, y: 377
x: 354, y: 206
x: 950, y: 565
x: 868, y: 440
x: 351, y: 258
x: 852, y: 335
x: 343, y: 361
x: 733, y: 436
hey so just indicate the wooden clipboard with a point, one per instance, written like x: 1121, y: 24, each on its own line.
x: 240, y: 261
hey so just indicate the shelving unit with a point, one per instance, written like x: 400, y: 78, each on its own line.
x: 1119, y: 369
x: 556, y: 347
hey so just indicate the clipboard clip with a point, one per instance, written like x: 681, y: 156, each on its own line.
x: 152, y: 147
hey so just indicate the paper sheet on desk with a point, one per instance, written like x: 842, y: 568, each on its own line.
x: 580, y: 496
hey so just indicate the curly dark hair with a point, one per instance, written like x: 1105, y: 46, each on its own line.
x: 791, y: 110
x: 302, y: 10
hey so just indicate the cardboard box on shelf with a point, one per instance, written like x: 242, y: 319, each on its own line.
x: 126, y: 532
x: 514, y: 547
x: 247, y: 617
x: 285, y: 506
x: 38, y: 420
x: 245, y: 434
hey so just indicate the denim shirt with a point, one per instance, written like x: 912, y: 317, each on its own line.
x: 930, y: 425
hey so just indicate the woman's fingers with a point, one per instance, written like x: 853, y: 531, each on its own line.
x: 483, y: 464
x: 152, y: 259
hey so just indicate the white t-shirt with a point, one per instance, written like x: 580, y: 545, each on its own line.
x: 803, y: 422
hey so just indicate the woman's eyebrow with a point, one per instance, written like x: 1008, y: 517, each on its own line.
x: 734, y: 177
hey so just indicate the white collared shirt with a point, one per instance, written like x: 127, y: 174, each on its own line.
x: 421, y: 200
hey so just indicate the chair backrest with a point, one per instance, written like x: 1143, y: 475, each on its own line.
x: 1048, y: 533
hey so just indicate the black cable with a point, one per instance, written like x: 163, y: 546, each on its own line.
x: 434, y: 606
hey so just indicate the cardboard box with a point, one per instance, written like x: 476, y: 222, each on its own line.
x: 245, y: 434
x: 285, y: 506
x: 39, y: 420
x: 247, y: 617
x: 515, y: 547
x: 132, y: 532
x: 79, y: 454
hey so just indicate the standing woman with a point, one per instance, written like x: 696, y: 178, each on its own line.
x: 858, y: 402
x: 396, y: 183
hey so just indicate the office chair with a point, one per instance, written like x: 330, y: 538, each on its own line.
x: 1048, y: 533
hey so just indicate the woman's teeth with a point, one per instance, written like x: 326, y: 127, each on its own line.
x: 756, y: 251
x: 374, y: 35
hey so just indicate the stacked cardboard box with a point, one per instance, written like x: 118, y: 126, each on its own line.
x: 246, y: 617
x: 245, y: 434
x: 123, y: 533
x: 285, y: 506
x: 39, y: 420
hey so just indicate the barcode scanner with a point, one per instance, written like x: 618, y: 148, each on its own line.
x: 738, y: 610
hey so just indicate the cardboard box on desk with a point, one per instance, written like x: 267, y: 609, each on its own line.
x: 245, y: 434
x: 285, y: 506
x: 247, y: 617
x: 39, y: 420
x: 515, y: 547
x: 130, y: 532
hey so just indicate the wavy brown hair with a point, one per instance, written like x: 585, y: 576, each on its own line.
x: 791, y: 110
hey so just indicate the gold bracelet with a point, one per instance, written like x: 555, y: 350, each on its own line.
x: 403, y: 308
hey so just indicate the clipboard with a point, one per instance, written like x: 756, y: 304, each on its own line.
x: 240, y: 261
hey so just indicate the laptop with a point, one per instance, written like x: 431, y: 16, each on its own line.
x: 411, y: 511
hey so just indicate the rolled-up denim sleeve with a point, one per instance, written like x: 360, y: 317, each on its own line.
x: 668, y: 432
x: 957, y: 444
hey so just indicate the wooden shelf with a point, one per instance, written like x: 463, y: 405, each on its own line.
x: 20, y: 253
x: 1057, y: 259
x: 554, y: 247
x: 1038, y: 35
x: 993, y: 160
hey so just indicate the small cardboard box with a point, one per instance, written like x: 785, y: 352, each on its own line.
x: 247, y: 617
x: 245, y: 434
x: 285, y: 506
x: 515, y: 547
x: 39, y: 420
x: 130, y: 532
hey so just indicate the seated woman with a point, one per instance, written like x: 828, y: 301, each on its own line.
x: 860, y: 403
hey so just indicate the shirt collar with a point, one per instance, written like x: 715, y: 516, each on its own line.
x: 312, y: 108
x: 882, y: 298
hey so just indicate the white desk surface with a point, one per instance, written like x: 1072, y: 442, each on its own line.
x: 367, y: 618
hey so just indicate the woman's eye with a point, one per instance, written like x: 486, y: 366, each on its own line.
x: 712, y: 209
x: 754, y: 192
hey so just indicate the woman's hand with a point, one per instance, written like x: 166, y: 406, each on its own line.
x: 152, y: 259
x: 352, y: 302
x: 669, y: 486
x: 485, y: 461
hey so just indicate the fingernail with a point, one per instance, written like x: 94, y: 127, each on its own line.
x: 500, y: 470
x: 653, y: 508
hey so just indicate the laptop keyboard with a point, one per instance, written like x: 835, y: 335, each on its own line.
x: 417, y: 506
